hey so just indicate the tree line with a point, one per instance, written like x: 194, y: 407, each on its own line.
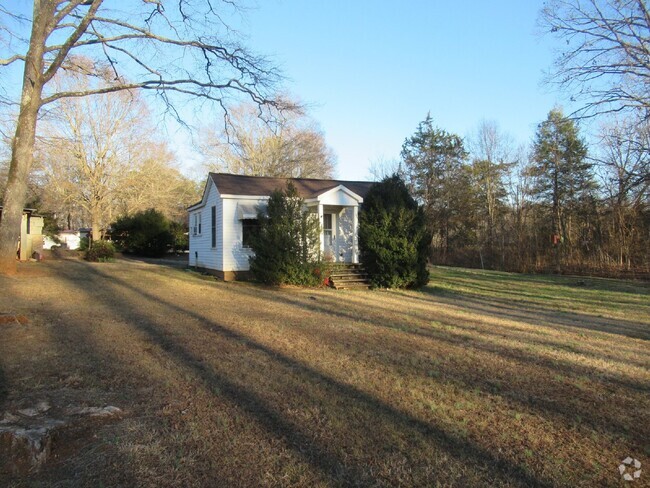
x: 566, y: 205
x: 101, y: 159
x: 178, y: 51
x: 560, y: 206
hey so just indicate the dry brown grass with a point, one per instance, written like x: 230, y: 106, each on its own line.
x: 482, y: 379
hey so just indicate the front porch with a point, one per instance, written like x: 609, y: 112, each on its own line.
x: 346, y: 276
x: 338, y: 215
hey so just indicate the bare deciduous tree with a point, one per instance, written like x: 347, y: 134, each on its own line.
x: 176, y: 49
x: 605, y: 58
x: 98, y: 154
x: 491, y: 159
x: 620, y: 162
x: 382, y: 168
x: 86, y: 151
x: 515, y: 236
x: 154, y: 182
x: 290, y: 145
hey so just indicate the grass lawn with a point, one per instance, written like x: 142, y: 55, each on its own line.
x: 480, y: 379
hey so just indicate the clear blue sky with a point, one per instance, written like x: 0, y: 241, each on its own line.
x: 374, y: 69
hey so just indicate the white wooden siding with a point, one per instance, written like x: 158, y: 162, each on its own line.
x: 235, y: 256
x: 230, y: 254
x: 202, y: 254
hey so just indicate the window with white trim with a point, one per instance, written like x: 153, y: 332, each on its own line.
x: 250, y: 231
x: 328, y: 229
x: 196, y: 224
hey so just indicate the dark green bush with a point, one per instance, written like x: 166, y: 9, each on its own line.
x: 181, y: 237
x: 393, y: 240
x: 84, y: 243
x: 307, y: 274
x: 287, y: 245
x: 101, y: 251
x: 146, y: 233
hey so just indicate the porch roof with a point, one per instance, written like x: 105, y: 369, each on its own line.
x: 338, y: 196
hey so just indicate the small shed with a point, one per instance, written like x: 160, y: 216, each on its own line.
x: 31, y: 234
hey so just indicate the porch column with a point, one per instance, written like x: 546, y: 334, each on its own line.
x: 355, y: 234
x: 320, y: 222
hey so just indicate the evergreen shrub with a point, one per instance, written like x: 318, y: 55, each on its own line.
x: 286, y: 248
x: 393, y: 240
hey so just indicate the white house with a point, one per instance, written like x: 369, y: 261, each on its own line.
x: 222, y: 222
x: 70, y: 239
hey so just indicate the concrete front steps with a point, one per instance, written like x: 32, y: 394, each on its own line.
x: 345, y: 276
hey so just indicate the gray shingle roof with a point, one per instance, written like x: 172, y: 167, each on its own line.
x: 229, y: 184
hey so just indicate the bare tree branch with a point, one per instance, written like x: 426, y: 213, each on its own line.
x: 74, y: 37
x: 290, y: 146
x: 182, y: 53
x: 605, y: 61
x: 12, y: 59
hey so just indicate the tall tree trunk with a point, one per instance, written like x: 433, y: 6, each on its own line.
x: 95, y: 221
x: 22, y: 147
x: 558, y: 245
x: 491, y: 210
x: 557, y: 217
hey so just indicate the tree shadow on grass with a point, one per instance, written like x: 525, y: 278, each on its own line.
x: 541, y: 329
x: 78, y: 450
x: 177, y: 262
x: 344, y: 398
x: 539, y: 315
x: 374, y: 315
x: 566, y: 407
x: 590, y: 282
x: 543, y: 298
x: 529, y: 340
x: 4, y: 387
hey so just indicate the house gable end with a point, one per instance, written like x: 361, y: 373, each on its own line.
x: 209, y: 186
x: 339, y: 195
x: 206, y: 229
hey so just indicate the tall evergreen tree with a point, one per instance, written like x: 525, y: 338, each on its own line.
x: 563, y: 176
x: 393, y: 238
x: 287, y: 241
x: 435, y: 171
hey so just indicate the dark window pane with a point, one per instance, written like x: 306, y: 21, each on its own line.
x: 327, y: 221
x: 213, y: 222
x: 250, y: 230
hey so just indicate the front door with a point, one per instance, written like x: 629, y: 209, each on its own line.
x: 329, y: 236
